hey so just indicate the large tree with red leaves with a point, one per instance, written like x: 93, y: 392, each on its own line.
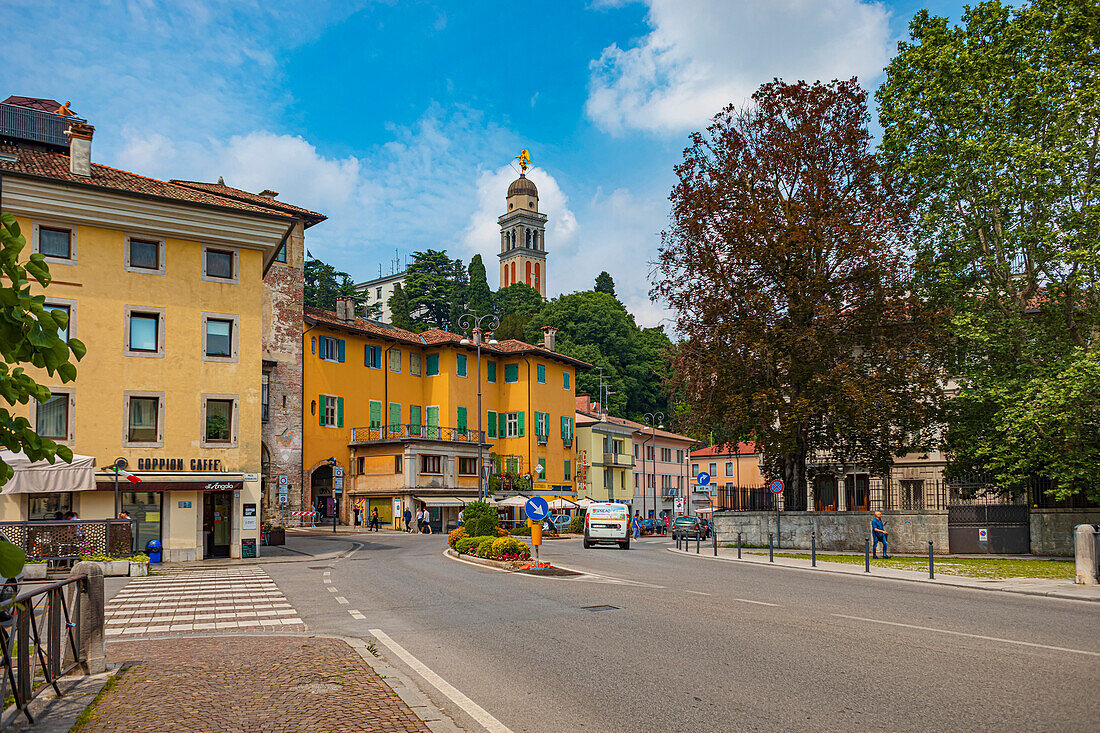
x: 785, y: 265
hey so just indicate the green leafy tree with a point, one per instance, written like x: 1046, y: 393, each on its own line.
x: 400, y: 310
x: 436, y: 288
x: 480, y: 296
x: 29, y: 334
x: 784, y: 264
x: 460, y: 294
x: 514, y: 306
x: 604, y: 284
x: 991, y: 129
x: 324, y: 283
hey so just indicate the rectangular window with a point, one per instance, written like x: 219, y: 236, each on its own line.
x: 540, y: 470
x: 332, y: 349
x: 63, y: 333
x: 280, y: 256
x: 219, y: 263
x: 360, y: 465
x: 460, y: 365
x: 541, y: 372
x: 414, y: 364
x: 651, y: 454
x: 144, y: 255
x: 395, y: 360
x: 666, y: 455
x: 729, y: 468
x: 143, y: 420
x: 511, y: 425
x: 52, y: 417
x: 567, y: 475
x: 265, y: 395
x: 713, y: 469
x: 461, y: 420
x: 679, y: 456
x: 44, y: 507
x: 695, y: 469
x: 491, y: 419
x: 332, y: 411
x: 372, y: 356
x: 378, y: 293
x: 431, y: 464
x: 415, y: 417
x: 433, y: 365
x: 145, y: 509
x: 219, y: 421
x: 55, y: 242
x: 491, y: 371
x: 542, y: 424
x: 397, y: 464
x: 219, y: 337
x: 144, y: 332
x: 511, y: 372
x: 375, y: 413
x: 635, y: 481
x: 467, y: 467
x: 565, y: 380
x: 395, y: 416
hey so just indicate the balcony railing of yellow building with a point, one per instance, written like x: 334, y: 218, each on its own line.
x: 623, y: 460
x: 415, y: 432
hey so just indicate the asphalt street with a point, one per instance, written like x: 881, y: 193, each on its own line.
x: 697, y: 645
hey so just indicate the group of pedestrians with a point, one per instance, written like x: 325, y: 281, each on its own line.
x: 375, y: 520
x: 423, y: 521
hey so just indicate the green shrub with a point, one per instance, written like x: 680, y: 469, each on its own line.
x: 485, y: 549
x: 576, y: 525
x: 469, y: 544
x: 480, y: 518
x: 510, y: 549
x: 521, y: 531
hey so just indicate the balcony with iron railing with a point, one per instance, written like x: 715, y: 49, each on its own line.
x: 377, y: 433
x: 618, y: 460
x: 23, y: 123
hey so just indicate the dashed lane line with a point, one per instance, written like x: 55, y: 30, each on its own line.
x: 758, y: 603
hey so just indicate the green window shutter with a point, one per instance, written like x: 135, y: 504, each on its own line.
x: 564, y: 428
x: 461, y: 419
x: 339, y: 412
x: 433, y: 415
x: 460, y: 366
x: 568, y: 476
x: 491, y: 420
x: 395, y: 414
x: 340, y: 350
x: 502, y: 420
x: 541, y: 474
x: 521, y: 423
x: 433, y: 365
x: 321, y: 404
x: 542, y: 374
x: 491, y: 371
x: 415, y: 419
x: 511, y: 372
x: 375, y: 414
x: 565, y: 380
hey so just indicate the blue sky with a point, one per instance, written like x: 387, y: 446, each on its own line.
x: 399, y: 119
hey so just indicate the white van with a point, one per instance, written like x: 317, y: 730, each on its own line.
x: 608, y: 523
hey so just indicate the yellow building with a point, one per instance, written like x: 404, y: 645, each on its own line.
x: 391, y: 418
x: 164, y: 284
x: 605, y: 459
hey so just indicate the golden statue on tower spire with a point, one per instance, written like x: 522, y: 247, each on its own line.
x: 524, y: 159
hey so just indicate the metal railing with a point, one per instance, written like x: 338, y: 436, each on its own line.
x: 417, y: 432
x: 53, y: 540
x: 745, y: 498
x: 32, y: 124
x: 39, y: 638
x: 623, y: 460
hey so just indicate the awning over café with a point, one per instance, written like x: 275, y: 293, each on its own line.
x: 446, y: 500
x: 42, y: 477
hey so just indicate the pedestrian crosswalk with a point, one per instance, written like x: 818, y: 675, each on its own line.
x: 201, y: 601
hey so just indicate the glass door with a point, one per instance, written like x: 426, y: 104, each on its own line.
x: 217, y: 522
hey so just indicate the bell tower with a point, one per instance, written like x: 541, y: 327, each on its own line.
x: 522, y: 231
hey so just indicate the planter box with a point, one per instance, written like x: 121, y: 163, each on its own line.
x: 34, y: 571
x: 139, y: 569
x: 116, y: 568
x: 276, y: 536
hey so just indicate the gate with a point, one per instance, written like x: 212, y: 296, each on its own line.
x: 995, y: 529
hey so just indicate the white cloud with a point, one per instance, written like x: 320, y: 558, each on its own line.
x: 703, y: 54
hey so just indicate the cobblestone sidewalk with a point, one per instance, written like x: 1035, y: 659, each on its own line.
x: 247, y: 683
x: 201, y: 601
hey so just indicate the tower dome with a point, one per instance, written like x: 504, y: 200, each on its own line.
x: 522, y: 186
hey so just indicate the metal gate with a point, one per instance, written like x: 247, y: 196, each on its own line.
x: 995, y: 529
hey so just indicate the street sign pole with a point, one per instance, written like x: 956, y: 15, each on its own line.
x: 777, y: 489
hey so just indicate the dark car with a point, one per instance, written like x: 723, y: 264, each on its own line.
x: 706, y: 526
x: 686, y: 528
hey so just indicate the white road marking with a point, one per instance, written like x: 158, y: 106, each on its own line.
x: 758, y: 603
x: 333, y: 590
x: 470, y: 707
x: 356, y: 614
x: 972, y: 636
x: 327, y: 581
x: 341, y: 600
x: 697, y: 592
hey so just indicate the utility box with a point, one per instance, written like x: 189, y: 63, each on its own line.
x: 1086, y: 543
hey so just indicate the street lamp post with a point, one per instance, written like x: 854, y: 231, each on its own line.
x: 121, y: 464
x: 474, y: 323
x: 649, y: 419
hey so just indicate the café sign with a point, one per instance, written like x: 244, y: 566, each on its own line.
x: 179, y: 464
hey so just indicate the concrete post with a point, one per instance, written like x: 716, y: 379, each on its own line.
x: 90, y: 622
x: 1087, y: 552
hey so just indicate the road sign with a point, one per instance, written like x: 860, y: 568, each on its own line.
x: 536, y: 508
x: 283, y: 479
x: 337, y: 470
x: 338, y: 482
x: 679, y: 505
x: 776, y: 486
x: 703, y: 478
x: 983, y: 535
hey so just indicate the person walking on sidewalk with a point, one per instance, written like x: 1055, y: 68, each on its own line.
x: 880, y: 535
x: 375, y: 525
x: 427, y: 527
x: 408, y: 516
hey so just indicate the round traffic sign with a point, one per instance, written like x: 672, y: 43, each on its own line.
x: 536, y: 508
x: 776, y: 486
x: 703, y: 478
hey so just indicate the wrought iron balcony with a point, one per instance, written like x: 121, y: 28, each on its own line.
x: 618, y: 460
x: 376, y: 433
x: 23, y: 123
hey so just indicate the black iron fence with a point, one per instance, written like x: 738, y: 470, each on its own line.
x: 421, y: 432
x: 744, y: 498
x: 71, y: 539
x: 39, y: 638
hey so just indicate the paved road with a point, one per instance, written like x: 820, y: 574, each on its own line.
x: 698, y: 645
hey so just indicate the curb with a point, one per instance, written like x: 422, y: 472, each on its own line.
x: 494, y: 564
x: 1060, y: 595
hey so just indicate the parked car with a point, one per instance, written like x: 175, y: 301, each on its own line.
x: 686, y: 528
x: 560, y: 522
x: 652, y: 526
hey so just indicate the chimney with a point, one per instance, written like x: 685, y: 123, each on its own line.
x: 267, y: 193
x: 548, y: 337
x: 80, y: 148
x: 345, y: 309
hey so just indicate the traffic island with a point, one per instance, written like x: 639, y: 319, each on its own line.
x: 510, y: 566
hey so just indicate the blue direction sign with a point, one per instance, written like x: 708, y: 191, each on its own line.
x: 776, y: 486
x: 536, y: 508
x: 703, y: 478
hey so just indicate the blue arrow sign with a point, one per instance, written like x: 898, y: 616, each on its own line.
x: 703, y: 478
x: 536, y: 508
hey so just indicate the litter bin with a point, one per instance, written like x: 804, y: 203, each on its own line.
x: 153, y: 550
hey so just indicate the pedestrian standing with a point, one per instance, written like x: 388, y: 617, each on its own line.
x: 637, y: 525
x: 878, y: 529
x: 358, y: 516
x: 375, y: 525
x: 408, y: 516
x: 461, y: 517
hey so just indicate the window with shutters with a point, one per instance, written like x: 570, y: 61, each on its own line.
x: 491, y: 371
x: 332, y: 411
x: 511, y: 373
x: 372, y: 356
x: 375, y: 408
x: 565, y: 380
x: 331, y: 349
x: 414, y: 364
x: 433, y: 365
x: 460, y: 365
x: 541, y: 373
x: 461, y: 421
x: 511, y: 425
x: 567, y: 476
x: 491, y: 423
x: 395, y: 360
x: 542, y: 427
x: 679, y: 456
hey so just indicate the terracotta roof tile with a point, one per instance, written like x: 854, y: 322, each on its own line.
x: 363, y: 325
x: 744, y: 448
x: 235, y: 193
x: 44, y: 164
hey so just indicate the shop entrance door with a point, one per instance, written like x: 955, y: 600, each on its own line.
x: 217, y: 522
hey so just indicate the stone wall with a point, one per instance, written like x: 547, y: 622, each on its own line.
x: 909, y: 531
x: 1052, y: 529
x: 282, y: 432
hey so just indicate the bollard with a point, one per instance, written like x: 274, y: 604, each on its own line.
x: 771, y: 549
x: 866, y: 554
x: 698, y: 540
x: 813, y: 549
x: 738, y: 545
x: 714, y: 537
x: 931, y: 567
x: 1086, y: 550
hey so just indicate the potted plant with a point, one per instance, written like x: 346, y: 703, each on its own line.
x: 35, y: 570
x: 276, y: 535
x: 139, y: 565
